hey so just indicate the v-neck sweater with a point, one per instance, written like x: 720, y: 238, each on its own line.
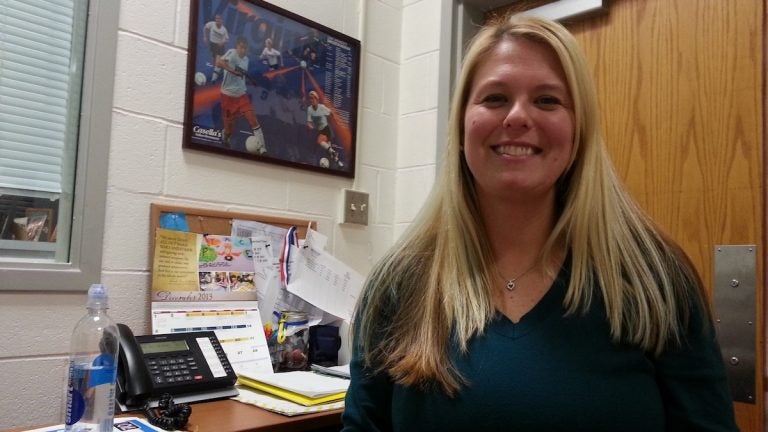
x: 554, y: 372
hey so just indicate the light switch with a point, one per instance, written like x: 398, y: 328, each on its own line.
x: 355, y: 207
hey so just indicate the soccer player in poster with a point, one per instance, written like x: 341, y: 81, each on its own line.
x: 234, y: 97
x: 272, y: 56
x: 216, y: 36
x: 317, y: 119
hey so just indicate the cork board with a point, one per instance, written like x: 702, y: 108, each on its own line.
x: 208, y: 221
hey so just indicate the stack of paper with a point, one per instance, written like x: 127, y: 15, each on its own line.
x: 279, y: 405
x: 339, y: 371
x: 305, y: 388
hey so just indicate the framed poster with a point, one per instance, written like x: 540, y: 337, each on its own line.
x: 266, y: 84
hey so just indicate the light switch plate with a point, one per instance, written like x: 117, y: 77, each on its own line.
x: 355, y: 208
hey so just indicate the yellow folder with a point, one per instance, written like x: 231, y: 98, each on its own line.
x: 289, y: 395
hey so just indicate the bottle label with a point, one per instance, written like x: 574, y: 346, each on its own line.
x: 75, y: 399
x: 84, y: 389
x: 103, y: 371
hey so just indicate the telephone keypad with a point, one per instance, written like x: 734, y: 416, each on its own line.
x: 170, y: 370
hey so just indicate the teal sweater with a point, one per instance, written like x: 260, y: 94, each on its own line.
x: 551, y: 372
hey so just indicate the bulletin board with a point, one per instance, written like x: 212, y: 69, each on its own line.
x: 184, y: 298
x: 208, y: 221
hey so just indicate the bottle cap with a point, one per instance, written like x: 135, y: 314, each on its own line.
x: 97, y: 296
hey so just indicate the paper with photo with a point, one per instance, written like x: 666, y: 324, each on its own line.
x: 226, y: 267
x: 195, y: 267
x: 225, y: 253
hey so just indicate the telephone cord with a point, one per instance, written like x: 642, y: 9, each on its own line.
x: 168, y: 415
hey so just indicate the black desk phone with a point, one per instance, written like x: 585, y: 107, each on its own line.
x: 189, y: 366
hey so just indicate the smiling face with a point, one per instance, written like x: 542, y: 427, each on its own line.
x: 518, y: 122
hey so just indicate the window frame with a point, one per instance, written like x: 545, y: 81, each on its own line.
x: 91, y: 167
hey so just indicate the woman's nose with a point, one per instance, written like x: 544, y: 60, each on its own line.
x: 518, y: 117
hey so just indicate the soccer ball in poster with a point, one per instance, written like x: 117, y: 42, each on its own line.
x: 200, y: 78
x: 253, y: 145
x: 324, y: 163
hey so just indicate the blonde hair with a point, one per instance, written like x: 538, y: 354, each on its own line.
x: 433, y: 289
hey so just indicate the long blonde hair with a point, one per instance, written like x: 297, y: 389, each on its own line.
x: 432, y: 289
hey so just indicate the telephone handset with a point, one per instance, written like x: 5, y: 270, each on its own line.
x: 190, y: 366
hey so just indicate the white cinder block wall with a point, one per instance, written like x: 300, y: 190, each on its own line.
x: 417, y: 106
x: 396, y: 164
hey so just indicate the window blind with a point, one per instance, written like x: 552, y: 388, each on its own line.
x: 38, y: 82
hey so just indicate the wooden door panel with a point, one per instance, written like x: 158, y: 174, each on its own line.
x: 681, y: 92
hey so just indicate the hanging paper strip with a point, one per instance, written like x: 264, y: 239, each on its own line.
x: 291, y: 239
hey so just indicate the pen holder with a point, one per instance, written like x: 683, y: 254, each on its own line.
x: 292, y: 341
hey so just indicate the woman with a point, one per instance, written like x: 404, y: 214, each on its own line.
x: 532, y: 294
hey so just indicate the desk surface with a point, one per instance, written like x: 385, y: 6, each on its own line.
x: 234, y: 416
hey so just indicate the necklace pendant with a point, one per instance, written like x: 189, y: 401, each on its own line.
x: 511, y: 284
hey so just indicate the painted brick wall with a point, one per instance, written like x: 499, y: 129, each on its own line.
x: 396, y: 165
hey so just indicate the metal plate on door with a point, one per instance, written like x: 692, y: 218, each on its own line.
x: 735, y: 312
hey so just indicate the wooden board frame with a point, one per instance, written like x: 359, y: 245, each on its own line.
x: 209, y: 221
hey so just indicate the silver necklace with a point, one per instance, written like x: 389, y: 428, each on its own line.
x: 512, y: 283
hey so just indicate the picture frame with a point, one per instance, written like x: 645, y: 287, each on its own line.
x: 298, y: 79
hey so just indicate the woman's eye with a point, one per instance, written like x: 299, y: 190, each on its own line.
x: 548, y: 101
x: 494, y: 99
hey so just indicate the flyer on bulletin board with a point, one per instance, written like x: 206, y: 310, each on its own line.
x: 191, y: 267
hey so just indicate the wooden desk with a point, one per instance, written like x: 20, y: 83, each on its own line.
x: 233, y: 416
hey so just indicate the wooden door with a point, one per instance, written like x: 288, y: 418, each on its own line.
x: 681, y: 86
x: 681, y: 91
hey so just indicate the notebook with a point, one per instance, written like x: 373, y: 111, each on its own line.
x: 279, y: 405
x: 305, y: 388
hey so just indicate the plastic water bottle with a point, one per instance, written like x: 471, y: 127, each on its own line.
x: 90, y: 398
